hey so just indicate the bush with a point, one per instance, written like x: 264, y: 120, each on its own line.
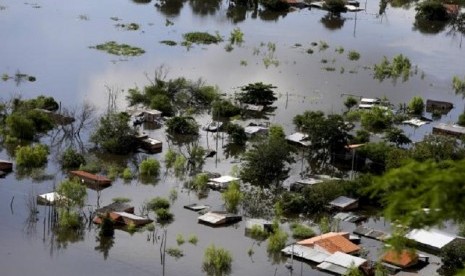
x: 170, y: 158
x: 158, y: 203
x: 32, y: 156
x: 149, y: 167
x: 164, y: 216
x: 277, y: 240
x: 174, y: 252
x: 376, y: 119
x: 350, y: 102
x: 232, y: 196
x: 416, y: 105
x: 182, y: 125
x: 216, y: 261
x: 301, y: 231
x: 71, y: 159
x: 453, y: 257
x: 193, y: 239
x: 180, y: 239
x: 69, y: 220
x: 202, y: 38
x: 224, y: 108
x: 257, y: 232
x: 200, y: 181
x: 353, y: 55
x: 107, y: 229
x: 432, y: 10
x: 127, y: 174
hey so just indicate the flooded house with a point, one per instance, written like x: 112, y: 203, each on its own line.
x: 219, y: 218
x: 120, y: 214
x: 340, y: 263
x: 115, y: 207
x: 221, y: 182
x: 298, y: 138
x: 51, y: 198
x: 449, y: 129
x: 432, y: 240
x: 310, y: 181
x: 403, y: 259
x: 344, y: 203
x: 439, y: 106
x: 93, y: 180
x: 6, y: 166
x: 151, y: 145
x: 332, y: 242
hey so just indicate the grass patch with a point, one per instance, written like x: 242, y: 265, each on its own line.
x: 129, y: 27
x: 193, y: 239
x: 111, y: 47
x: 202, y: 38
x: 301, y: 231
x: 121, y: 199
x: 353, y: 55
x: 174, y: 252
x: 339, y: 50
x: 180, y: 239
x: 169, y: 42
x: 310, y: 51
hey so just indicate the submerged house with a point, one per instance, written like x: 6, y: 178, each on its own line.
x: 344, y: 203
x: 442, y: 107
x: 431, y: 239
x: 50, y: 198
x: 151, y: 145
x: 221, y: 182
x: 449, y: 129
x: 298, y: 138
x: 332, y: 242
x: 98, y: 181
x: 340, y: 263
x: 120, y: 214
x: 402, y: 259
x: 6, y: 166
x: 217, y: 218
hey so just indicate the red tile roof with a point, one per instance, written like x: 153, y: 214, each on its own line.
x: 332, y: 242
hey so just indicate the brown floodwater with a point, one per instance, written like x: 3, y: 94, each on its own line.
x: 50, y: 40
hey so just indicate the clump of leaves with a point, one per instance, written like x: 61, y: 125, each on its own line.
x: 216, y: 261
x: 257, y: 232
x: 114, y: 48
x: 323, y: 45
x: 458, y: 85
x: 180, y: 239
x: 121, y: 199
x: 399, y: 67
x: 236, y: 37
x: 193, y: 239
x: 277, y: 240
x: 202, y: 38
x: 158, y: 203
x: 32, y: 156
x: 127, y: 174
x: 164, y: 216
x: 339, y: 50
x: 149, y: 167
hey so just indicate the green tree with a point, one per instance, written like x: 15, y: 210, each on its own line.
x: 377, y: 153
x: 216, y: 261
x: 71, y: 159
x: 236, y: 134
x: 74, y: 193
x: 376, y: 119
x: 432, y: 10
x: 257, y: 93
x: 149, y: 167
x: 20, y: 126
x: 453, y: 257
x: 408, y: 191
x: 266, y: 164
x: 397, y: 137
x: 438, y: 148
x: 327, y: 135
x: 361, y: 136
x: 114, y: 135
x: 182, y: 125
x: 31, y: 156
x: 416, y: 105
x: 224, y: 108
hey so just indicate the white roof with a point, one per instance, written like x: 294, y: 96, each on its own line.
x: 343, y: 201
x: 345, y: 260
x: 369, y: 100
x: 353, y: 8
x: 254, y: 129
x: 224, y: 179
x: 51, y: 197
x: 433, y: 237
x: 298, y: 137
x: 153, y: 141
x: 260, y: 222
x: 212, y: 217
x: 129, y: 215
x: 415, y: 122
x: 305, y: 252
x: 333, y: 268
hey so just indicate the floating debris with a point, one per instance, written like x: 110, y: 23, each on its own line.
x: 114, y: 48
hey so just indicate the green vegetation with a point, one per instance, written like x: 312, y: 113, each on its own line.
x: 149, y: 167
x: 232, y: 196
x: 301, y: 231
x: 158, y: 203
x: 277, y: 239
x: 71, y: 159
x: 376, y: 119
x: 180, y: 239
x: 416, y: 105
x: 182, y: 125
x: 164, y: 216
x: 202, y: 38
x: 121, y: 199
x: 458, y: 85
x: 216, y: 261
x: 127, y: 174
x: 174, y: 252
x: 353, y: 55
x: 236, y: 134
x: 114, y: 48
x: 453, y: 257
x: 169, y: 42
x: 339, y: 50
x: 236, y: 37
x: 173, y: 194
x: 31, y: 156
x: 335, y: 6
x: 170, y: 158
x: 350, y: 102
x: 257, y: 93
x: 200, y: 181
x: 461, y: 120
x: 74, y: 192
x: 323, y: 45
x: 399, y: 67
x: 128, y: 27
x: 193, y: 239
x: 257, y: 232
x: 275, y: 5
x: 107, y: 228
x: 114, y: 135
x: 431, y: 10
x: 224, y: 108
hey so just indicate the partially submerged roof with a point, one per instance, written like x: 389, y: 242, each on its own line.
x: 305, y: 252
x: 349, y: 217
x: 345, y: 260
x: 219, y: 218
x: 404, y: 258
x: 115, y: 207
x: 224, y: 179
x: 263, y: 223
x: 415, y: 122
x: 50, y: 198
x: 433, y: 238
x: 300, y: 138
x: 332, y: 242
x: 311, y: 241
x: 343, y: 202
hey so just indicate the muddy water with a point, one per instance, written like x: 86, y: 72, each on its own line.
x: 50, y: 40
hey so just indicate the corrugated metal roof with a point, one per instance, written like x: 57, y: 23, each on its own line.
x: 433, y: 237
x: 305, y: 252
x: 298, y: 137
x: 345, y: 260
x: 332, y: 268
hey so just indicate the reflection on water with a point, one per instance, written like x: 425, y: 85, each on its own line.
x: 333, y: 21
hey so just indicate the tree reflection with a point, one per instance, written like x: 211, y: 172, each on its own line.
x: 141, y: 1
x: 170, y: 7
x: 104, y: 245
x: 333, y: 21
x: 457, y: 27
x: 269, y: 15
x: 428, y: 26
x: 205, y: 7
x: 237, y: 9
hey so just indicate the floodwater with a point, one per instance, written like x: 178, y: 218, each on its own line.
x: 50, y: 40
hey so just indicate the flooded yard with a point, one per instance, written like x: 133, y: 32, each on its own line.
x: 53, y: 41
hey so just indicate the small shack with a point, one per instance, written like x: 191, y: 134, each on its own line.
x: 340, y: 263
x: 124, y: 218
x: 218, y: 218
x: 344, y: 203
x: 6, y: 166
x: 151, y: 145
x: 332, y: 242
x: 221, y: 182
x: 115, y: 207
x: 98, y: 181
x: 263, y: 224
x: 449, y: 129
x: 298, y: 138
x: 432, y: 239
x: 440, y: 106
x: 196, y: 207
